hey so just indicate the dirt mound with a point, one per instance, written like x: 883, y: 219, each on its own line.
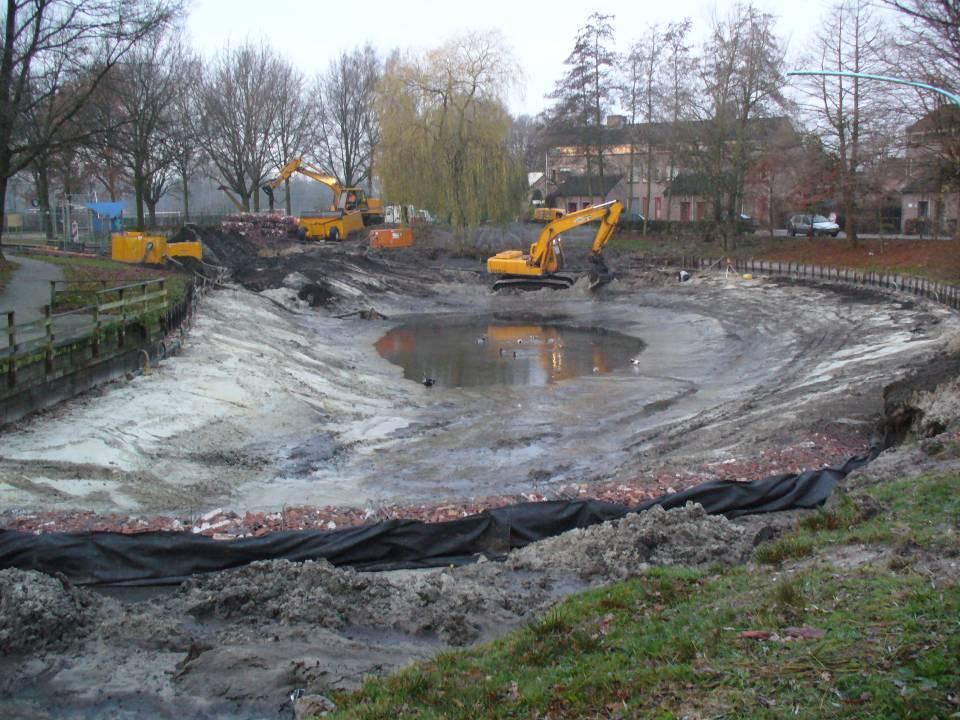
x: 623, y: 548
x: 37, y: 611
x: 926, y: 403
x: 227, y: 249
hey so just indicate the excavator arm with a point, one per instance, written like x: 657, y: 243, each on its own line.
x: 541, y: 266
x: 298, y: 165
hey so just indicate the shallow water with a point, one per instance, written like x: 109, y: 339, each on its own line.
x: 478, y: 352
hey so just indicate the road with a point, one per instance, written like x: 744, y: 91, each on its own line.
x: 27, y: 292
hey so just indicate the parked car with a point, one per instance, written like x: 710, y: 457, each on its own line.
x: 812, y: 225
x: 747, y: 224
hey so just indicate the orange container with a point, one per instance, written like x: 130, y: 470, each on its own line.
x: 391, y: 237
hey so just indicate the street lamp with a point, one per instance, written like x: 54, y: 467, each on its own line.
x: 884, y: 78
x: 953, y: 97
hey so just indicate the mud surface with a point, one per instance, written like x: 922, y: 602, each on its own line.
x: 280, y: 402
x: 281, y: 397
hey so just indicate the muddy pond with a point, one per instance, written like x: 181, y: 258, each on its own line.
x: 490, y: 351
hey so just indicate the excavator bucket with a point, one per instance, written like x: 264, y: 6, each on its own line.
x: 599, y: 274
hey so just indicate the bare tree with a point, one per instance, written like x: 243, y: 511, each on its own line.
x: 678, y: 70
x: 240, y: 105
x: 742, y: 75
x: 929, y: 51
x: 185, y: 138
x: 295, y: 124
x: 140, y: 95
x: 642, y: 97
x: 526, y: 141
x: 348, y: 130
x: 584, y: 94
x: 846, y: 113
x: 47, y: 44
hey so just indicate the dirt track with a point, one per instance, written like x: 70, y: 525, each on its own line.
x: 275, y: 403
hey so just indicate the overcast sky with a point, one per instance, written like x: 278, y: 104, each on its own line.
x: 541, y: 34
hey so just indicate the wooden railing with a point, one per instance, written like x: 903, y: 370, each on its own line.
x: 114, y: 310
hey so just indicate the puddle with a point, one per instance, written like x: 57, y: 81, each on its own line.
x: 500, y: 352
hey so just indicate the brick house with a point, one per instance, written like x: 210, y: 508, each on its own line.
x: 931, y: 191
x: 677, y: 190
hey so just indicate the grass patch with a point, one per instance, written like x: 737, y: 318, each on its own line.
x: 87, y: 276
x: 6, y: 270
x: 669, y: 644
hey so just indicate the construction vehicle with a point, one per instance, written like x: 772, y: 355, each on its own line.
x: 334, y: 223
x: 546, y: 215
x: 143, y: 249
x: 542, y: 267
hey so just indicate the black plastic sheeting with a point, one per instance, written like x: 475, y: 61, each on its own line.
x: 100, y: 558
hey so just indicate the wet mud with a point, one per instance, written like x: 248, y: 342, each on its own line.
x: 280, y: 400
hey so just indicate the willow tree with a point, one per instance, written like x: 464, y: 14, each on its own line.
x: 445, y: 131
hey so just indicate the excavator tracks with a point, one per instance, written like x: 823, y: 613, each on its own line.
x: 560, y: 281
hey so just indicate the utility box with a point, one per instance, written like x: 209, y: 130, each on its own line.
x: 391, y: 238
x: 137, y: 247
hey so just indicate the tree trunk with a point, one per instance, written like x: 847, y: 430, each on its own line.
x: 152, y: 213
x: 138, y: 181
x: 649, y: 184
x: 287, y: 199
x: 186, y: 197
x: 43, y: 198
x: 3, y: 207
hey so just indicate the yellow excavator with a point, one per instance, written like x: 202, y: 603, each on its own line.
x: 350, y: 212
x: 542, y: 267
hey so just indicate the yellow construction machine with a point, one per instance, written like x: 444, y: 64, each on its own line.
x: 350, y: 212
x: 542, y: 267
x: 545, y: 214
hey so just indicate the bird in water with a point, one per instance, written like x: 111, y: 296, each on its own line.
x: 635, y: 361
x: 514, y: 353
x: 427, y: 382
x: 501, y: 352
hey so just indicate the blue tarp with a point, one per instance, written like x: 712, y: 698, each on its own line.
x: 107, y: 216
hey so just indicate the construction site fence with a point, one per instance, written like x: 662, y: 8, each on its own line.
x: 939, y: 292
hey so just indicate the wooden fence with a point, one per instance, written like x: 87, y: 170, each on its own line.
x: 942, y: 293
x: 122, y: 318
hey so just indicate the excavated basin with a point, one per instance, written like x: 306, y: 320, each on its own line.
x: 490, y: 351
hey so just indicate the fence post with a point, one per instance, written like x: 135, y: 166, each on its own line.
x: 122, y: 330
x: 53, y: 293
x: 12, y: 347
x: 48, y: 322
x: 95, y: 344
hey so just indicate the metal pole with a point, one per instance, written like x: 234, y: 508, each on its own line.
x: 883, y: 78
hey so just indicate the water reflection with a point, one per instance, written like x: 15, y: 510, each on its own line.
x: 463, y: 354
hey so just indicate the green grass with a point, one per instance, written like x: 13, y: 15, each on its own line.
x: 86, y: 276
x: 668, y: 645
x: 6, y: 270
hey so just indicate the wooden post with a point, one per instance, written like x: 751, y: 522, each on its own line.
x: 12, y: 347
x: 95, y: 343
x: 48, y: 323
x: 53, y: 293
x: 122, y: 330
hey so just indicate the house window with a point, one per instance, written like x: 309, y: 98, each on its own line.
x: 657, y: 203
x: 923, y: 208
x: 701, y: 210
x: 684, y: 211
x: 585, y: 204
x: 634, y: 205
x: 571, y: 207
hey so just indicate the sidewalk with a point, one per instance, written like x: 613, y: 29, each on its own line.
x: 26, y: 293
